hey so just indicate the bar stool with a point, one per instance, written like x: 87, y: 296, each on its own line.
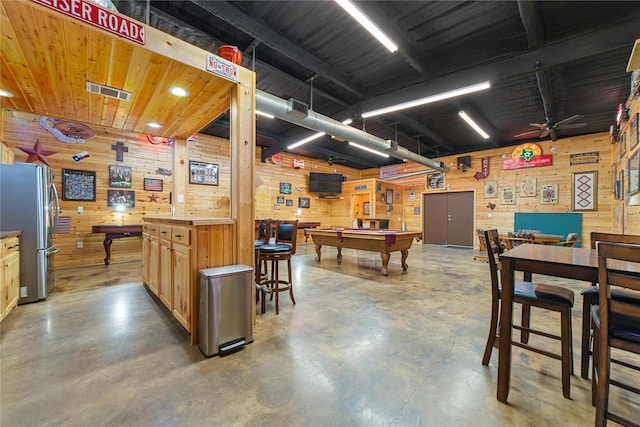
x: 262, y: 237
x: 271, y: 254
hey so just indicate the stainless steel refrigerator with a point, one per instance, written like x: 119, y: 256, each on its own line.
x: 29, y: 203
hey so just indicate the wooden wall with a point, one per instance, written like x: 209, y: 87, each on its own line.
x: 502, y: 218
x: 269, y: 175
x: 146, y: 161
x: 626, y: 210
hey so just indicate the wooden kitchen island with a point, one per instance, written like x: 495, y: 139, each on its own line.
x: 174, y: 250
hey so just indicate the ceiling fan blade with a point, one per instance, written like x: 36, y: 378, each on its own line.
x: 545, y: 133
x: 529, y: 133
x: 568, y: 120
x: 571, y: 126
x: 538, y: 125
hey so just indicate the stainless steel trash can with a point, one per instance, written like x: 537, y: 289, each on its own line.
x: 225, y: 321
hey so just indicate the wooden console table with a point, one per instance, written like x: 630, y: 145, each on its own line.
x: 115, y: 232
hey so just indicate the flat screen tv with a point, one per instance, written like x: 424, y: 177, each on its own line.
x: 325, y: 182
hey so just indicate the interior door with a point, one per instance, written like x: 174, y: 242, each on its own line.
x: 434, y: 218
x: 460, y: 219
x: 448, y: 219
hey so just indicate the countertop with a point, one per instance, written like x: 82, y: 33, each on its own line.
x: 5, y: 234
x: 187, y: 220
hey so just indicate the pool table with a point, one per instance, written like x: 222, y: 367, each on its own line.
x: 383, y: 241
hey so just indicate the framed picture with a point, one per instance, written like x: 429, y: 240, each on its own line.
x: 119, y: 176
x: 126, y: 198
x: 633, y: 132
x: 383, y: 198
x: 203, y: 173
x: 614, y: 178
x: 633, y: 170
x: 490, y: 189
x: 620, y: 183
x: 416, y: 211
x: 435, y: 181
x: 389, y: 196
x: 584, y: 191
x: 153, y: 184
x: 549, y: 194
x: 285, y: 188
x: 366, y: 208
x: 528, y: 187
x: 623, y: 143
x: 289, y: 202
x: 304, y: 202
x: 78, y: 185
x: 508, y: 196
x: 280, y: 199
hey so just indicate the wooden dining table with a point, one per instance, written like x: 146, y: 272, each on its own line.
x: 560, y: 261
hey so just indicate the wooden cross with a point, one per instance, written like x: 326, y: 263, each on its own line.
x: 120, y: 149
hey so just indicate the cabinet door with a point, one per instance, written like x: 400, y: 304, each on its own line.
x: 146, y: 254
x: 12, y: 281
x: 154, y: 259
x: 165, y: 274
x: 3, y: 290
x: 182, y: 285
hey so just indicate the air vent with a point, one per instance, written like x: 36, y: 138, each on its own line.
x: 298, y: 108
x: 111, y: 92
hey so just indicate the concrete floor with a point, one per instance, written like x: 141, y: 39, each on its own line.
x: 358, y: 349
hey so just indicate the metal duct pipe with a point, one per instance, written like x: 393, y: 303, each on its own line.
x: 282, y: 109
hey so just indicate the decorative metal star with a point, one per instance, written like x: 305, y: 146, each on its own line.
x: 37, y: 153
x: 153, y: 198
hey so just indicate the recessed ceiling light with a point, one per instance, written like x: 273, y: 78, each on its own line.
x: 178, y: 91
x: 5, y: 93
x: 154, y: 125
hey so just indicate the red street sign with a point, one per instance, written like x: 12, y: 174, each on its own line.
x: 92, y: 14
x: 520, y: 163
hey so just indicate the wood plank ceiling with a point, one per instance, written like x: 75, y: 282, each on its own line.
x: 46, y: 60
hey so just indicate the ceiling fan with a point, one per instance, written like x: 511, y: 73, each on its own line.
x: 549, y: 127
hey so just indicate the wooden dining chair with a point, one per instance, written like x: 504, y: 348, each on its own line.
x: 483, y: 245
x: 590, y: 297
x: 616, y: 325
x: 570, y: 241
x: 528, y: 294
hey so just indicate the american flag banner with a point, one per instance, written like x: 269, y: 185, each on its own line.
x: 152, y: 184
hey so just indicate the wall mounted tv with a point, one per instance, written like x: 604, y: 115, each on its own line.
x: 325, y: 182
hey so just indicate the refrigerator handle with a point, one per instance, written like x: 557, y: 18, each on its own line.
x: 56, y: 207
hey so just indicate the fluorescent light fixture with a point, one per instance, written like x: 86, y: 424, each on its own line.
x: 367, y: 24
x: 6, y: 93
x: 154, y: 125
x: 178, y: 91
x: 347, y: 122
x: 304, y: 141
x: 362, y: 147
x: 263, y: 114
x: 473, y: 124
x: 429, y: 99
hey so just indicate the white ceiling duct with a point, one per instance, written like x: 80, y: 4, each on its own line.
x: 289, y: 111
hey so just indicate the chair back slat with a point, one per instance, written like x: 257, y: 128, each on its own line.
x: 613, y: 238
x: 611, y: 273
x: 494, y: 246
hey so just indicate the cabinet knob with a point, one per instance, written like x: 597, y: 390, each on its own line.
x: 178, y: 235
